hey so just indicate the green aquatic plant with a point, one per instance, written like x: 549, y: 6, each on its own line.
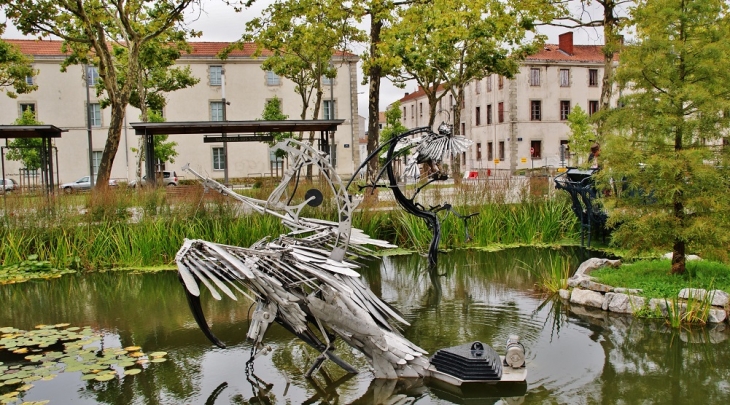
x: 41, y: 354
x: 30, y: 269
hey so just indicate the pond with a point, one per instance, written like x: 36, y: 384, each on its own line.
x: 573, y: 355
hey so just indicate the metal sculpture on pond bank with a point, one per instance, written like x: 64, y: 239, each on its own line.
x: 306, y: 281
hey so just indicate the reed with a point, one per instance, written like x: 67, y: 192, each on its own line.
x: 144, y: 228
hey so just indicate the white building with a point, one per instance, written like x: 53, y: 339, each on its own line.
x: 61, y: 101
x: 520, y: 123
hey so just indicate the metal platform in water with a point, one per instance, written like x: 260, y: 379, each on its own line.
x: 476, y: 363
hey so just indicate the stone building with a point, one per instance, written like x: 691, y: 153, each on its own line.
x: 520, y: 123
x: 61, y: 101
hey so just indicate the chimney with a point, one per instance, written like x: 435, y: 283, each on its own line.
x: 565, y: 42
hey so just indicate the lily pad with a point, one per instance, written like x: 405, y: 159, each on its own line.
x: 158, y: 354
x: 132, y: 371
x: 132, y: 348
x: 105, y: 377
x: 158, y: 360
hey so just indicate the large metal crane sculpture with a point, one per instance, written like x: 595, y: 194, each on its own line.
x: 306, y: 281
x: 303, y: 280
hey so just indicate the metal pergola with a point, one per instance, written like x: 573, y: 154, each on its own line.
x: 45, y: 133
x: 230, y: 131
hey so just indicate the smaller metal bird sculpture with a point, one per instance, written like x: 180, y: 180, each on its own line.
x: 304, y: 280
x: 430, y: 150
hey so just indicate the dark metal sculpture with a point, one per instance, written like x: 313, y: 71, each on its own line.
x: 580, y: 185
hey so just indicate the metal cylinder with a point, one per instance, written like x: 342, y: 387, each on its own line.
x: 515, y: 356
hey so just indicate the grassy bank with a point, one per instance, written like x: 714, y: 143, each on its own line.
x: 130, y: 229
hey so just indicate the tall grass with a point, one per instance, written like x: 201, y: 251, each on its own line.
x: 141, y: 228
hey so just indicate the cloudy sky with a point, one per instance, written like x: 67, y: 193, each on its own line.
x: 219, y: 22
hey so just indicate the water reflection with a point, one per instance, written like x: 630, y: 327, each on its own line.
x: 574, y: 355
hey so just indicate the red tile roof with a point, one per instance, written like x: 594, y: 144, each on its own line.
x: 581, y: 53
x: 418, y: 93
x: 47, y: 47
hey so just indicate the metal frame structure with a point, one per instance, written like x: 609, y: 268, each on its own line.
x: 45, y: 133
x: 236, y: 131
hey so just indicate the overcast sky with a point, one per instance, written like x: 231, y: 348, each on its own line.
x: 219, y: 22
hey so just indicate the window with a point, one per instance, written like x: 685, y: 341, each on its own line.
x: 95, y: 114
x: 404, y: 114
x: 463, y: 158
x: 27, y: 106
x: 479, y: 151
x: 489, y: 114
x: 593, y: 77
x: 327, y: 81
x: 564, y: 77
x: 478, y: 86
x: 536, y: 149
x: 500, y: 112
x: 328, y: 109
x: 216, y: 111
x: 219, y: 160
x: 592, y: 107
x: 478, y: 116
x: 420, y: 109
x: 276, y: 163
x: 463, y: 102
x: 501, y: 150
x: 565, y: 149
x: 500, y: 82
x: 451, y: 101
x: 564, y: 109
x: 215, y: 74
x: 535, y: 110
x: 96, y: 161
x: 463, y: 129
x: 490, y: 151
x: 534, y: 76
x: 29, y: 80
x: 413, y: 111
x: 272, y: 79
x: 489, y: 83
x: 92, y: 75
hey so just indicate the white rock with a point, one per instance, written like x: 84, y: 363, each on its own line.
x: 716, y: 315
x: 586, y: 297
x: 564, y: 294
x: 607, y: 300
x: 686, y: 257
x: 658, y: 304
x: 626, y: 304
x: 595, y: 263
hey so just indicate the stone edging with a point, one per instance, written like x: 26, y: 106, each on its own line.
x: 586, y: 291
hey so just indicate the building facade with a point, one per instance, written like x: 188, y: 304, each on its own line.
x: 521, y: 123
x: 61, y: 100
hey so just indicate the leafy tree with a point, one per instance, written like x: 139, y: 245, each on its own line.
x: 393, y: 126
x: 98, y: 32
x: 582, y: 133
x: 158, y: 76
x: 273, y: 112
x: 303, y: 36
x: 663, y: 147
x: 15, y: 68
x: 26, y: 150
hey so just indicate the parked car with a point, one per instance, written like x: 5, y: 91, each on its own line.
x: 169, y: 178
x: 8, y: 185
x: 82, y: 184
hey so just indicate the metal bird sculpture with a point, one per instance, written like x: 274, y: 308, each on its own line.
x: 431, y: 149
x: 304, y: 280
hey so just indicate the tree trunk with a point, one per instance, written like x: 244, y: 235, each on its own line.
x: 374, y: 75
x: 613, y: 42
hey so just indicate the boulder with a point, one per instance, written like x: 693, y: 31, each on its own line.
x: 586, y: 297
x: 595, y: 263
x: 625, y: 304
x: 564, y: 294
x: 716, y: 315
x: 719, y: 297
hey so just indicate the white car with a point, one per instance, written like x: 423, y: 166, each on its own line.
x: 82, y: 184
x: 8, y: 185
x: 169, y: 178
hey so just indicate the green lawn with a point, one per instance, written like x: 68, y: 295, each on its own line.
x: 656, y: 281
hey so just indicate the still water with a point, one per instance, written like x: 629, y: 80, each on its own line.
x: 574, y: 356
